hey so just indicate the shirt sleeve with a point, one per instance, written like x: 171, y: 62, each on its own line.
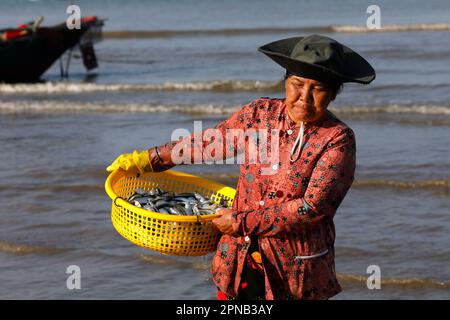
x: 212, y: 145
x: 327, y: 187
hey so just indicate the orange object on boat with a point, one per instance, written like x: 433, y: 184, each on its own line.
x: 88, y: 19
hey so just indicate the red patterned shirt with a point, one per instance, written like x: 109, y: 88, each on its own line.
x: 290, y: 210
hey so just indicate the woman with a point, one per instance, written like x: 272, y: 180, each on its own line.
x: 278, y: 238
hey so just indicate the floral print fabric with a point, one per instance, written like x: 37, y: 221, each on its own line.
x: 289, y: 211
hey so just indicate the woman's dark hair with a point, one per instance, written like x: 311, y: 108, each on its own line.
x: 336, y: 87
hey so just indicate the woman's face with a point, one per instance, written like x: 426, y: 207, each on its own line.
x: 307, y: 99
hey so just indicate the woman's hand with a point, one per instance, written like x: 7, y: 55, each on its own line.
x: 224, y: 222
x: 138, y: 161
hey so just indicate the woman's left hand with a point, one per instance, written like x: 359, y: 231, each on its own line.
x: 224, y: 222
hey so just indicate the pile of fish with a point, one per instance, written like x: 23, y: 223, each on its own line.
x: 186, y: 203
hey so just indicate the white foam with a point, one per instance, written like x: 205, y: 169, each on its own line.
x: 393, y: 28
x: 49, y: 106
x: 69, y: 106
x: 61, y: 87
x: 394, y: 108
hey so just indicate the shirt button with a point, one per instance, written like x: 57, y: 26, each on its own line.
x: 275, y: 167
x: 289, y: 132
x: 247, y: 238
x: 261, y: 203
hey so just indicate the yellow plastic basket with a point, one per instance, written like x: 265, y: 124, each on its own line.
x: 168, y: 234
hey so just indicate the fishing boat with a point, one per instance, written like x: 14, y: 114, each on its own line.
x: 27, y: 51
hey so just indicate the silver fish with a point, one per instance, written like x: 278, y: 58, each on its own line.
x: 163, y: 203
x: 163, y: 210
x: 133, y: 196
x: 150, y: 208
x: 137, y: 204
x: 180, y: 208
x: 199, y: 197
x: 207, y: 211
x: 142, y: 201
x: 184, y: 199
x: 188, y: 209
x: 168, y: 202
x: 174, y: 211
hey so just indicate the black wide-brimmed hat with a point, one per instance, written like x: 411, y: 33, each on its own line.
x: 320, y: 58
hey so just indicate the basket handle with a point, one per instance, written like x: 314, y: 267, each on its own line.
x: 116, y: 200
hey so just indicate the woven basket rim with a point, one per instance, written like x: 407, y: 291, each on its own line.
x: 118, y: 201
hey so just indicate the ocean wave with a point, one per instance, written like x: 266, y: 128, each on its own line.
x: 395, y: 282
x: 70, y: 106
x: 399, y: 87
x: 393, y: 109
x: 352, y: 252
x: 346, y: 279
x: 213, y: 86
x: 232, y: 177
x: 198, y: 263
x: 380, y: 183
x: 130, y: 34
x: 52, y: 106
x: 393, y: 28
x: 222, y: 86
x: 23, y: 249
x: 54, y: 189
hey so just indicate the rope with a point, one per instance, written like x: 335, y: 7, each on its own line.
x: 298, y: 143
